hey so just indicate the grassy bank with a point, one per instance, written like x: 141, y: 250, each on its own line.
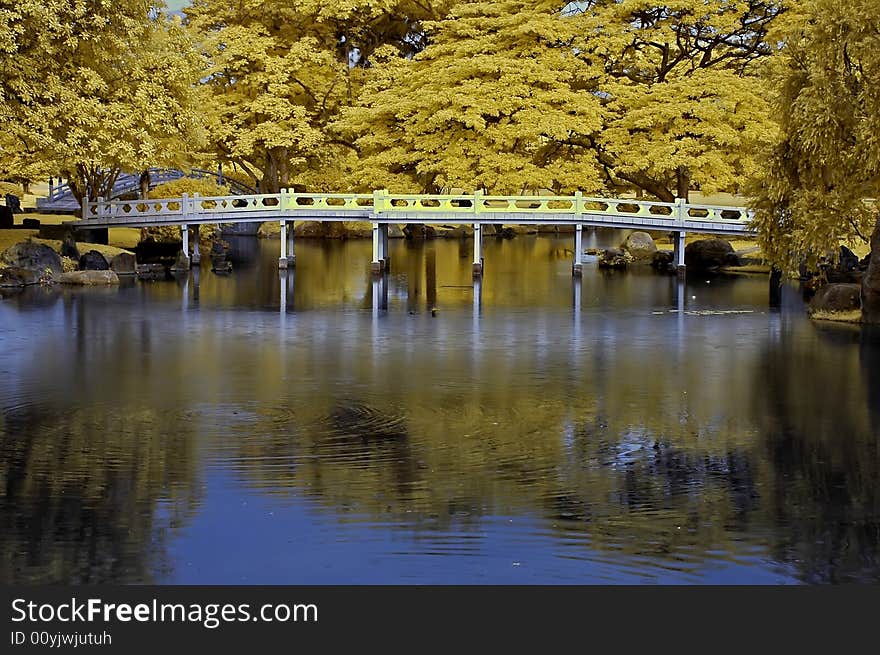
x: 122, y: 239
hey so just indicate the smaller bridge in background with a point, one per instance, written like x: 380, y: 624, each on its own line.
x: 61, y: 196
x: 382, y: 208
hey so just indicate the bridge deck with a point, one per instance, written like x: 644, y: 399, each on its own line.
x: 383, y: 207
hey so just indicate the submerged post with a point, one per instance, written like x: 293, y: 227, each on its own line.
x: 386, y: 256
x: 478, y: 250
x: 377, y: 265
x: 196, y: 256
x: 182, y: 263
x: 678, y: 253
x: 291, y: 254
x: 577, y: 268
x: 282, y: 261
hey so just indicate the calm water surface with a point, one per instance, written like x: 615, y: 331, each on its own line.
x: 317, y: 427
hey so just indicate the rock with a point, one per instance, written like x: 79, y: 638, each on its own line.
x: 150, y: 272
x: 31, y: 223
x: 93, y: 261
x: 616, y: 259
x: 90, y: 278
x: 593, y: 251
x: 640, y: 246
x: 68, y: 246
x: 837, y: 298
x: 17, y: 277
x: 123, y: 264
x: 394, y: 232
x: 36, y: 257
x: 707, y: 254
x: 663, y: 260
x: 7, y: 219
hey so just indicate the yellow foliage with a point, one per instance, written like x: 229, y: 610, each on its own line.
x: 94, y: 88
x: 279, y: 72
x: 188, y: 185
x: 817, y: 186
x: 512, y: 95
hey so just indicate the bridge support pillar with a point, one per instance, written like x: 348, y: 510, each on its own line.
x: 678, y: 253
x: 196, y: 255
x: 183, y: 261
x: 577, y: 268
x: 291, y: 253
x: 478, y: 250
x: 282, y: 261
x: 386, y: 253
x: 380, y: 248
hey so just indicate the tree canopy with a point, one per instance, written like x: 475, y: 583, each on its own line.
x: 607, y: 95
x: 821, y: 178
x: 96, y: 88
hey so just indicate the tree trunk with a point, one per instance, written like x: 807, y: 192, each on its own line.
x: 682, y: 182
x: 871, y: 280
x: 144, y: 182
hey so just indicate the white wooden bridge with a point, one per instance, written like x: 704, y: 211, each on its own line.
x: 382, y: 208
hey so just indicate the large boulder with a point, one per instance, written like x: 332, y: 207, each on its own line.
x: 640, y: 246
x: 837, y: 298
x: 93, y: 261
x: 662, y: 260
x: 89, y: 278
x: 36, y: 257
x: 123, y: 264
x: 707, y: 254
x: 616, y: 259
x: 17, y: 277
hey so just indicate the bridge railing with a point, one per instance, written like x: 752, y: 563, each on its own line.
x: 301, y: 206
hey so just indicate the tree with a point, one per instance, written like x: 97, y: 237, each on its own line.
x: 279, y: 72
x: 821, y: 178
x: 96, y: 88
x: 684, y: 104
x: 494, y: 102
x: 613, y: 94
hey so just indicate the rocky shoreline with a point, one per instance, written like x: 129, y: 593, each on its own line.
x: 833, y: 292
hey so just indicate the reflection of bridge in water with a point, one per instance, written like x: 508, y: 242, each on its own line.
x: 382, y: 209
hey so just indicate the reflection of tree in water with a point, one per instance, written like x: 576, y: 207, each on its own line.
x: 825, y: 494
x: 88, y: 496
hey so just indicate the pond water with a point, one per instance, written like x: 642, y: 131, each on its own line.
x: 317, y: 427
